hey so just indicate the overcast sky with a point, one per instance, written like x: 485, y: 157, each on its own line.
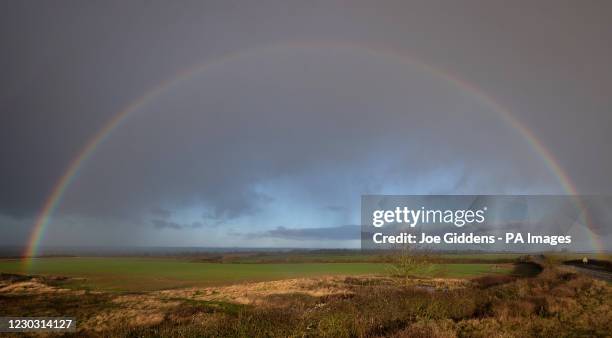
x: 317, y: 105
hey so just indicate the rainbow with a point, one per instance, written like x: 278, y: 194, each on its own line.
x: 53, y: 200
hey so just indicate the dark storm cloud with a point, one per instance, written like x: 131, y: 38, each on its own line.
x: 319, y: 125
x: 164, y: 224
x: 222, y: 141
x: 343, y: 232
x: 161, y: 212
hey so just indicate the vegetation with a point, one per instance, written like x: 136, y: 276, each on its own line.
x: 141, y: 274
x: 534, y: 297
x: 554, y: 303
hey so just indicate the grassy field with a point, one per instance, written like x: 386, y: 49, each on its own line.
x: 553, y: 303
x: 356, y: 256
x: 340, y: 296
x: 140, y: 274
x: 352, y: 257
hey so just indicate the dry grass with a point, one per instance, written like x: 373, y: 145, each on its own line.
x: 254, y: 293
x: 555, y: 303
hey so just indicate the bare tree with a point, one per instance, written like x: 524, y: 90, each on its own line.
x: 411, y: 262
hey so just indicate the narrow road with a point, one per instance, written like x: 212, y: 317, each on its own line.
x: 586, y: 269
x: 599, y: 274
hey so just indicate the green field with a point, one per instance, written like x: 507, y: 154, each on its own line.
x: 355, y: 256
x: 352, y: 257
x: 135, y: 274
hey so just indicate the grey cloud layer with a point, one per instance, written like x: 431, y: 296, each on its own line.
x: 343, y: 232
x: 319, y: 125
